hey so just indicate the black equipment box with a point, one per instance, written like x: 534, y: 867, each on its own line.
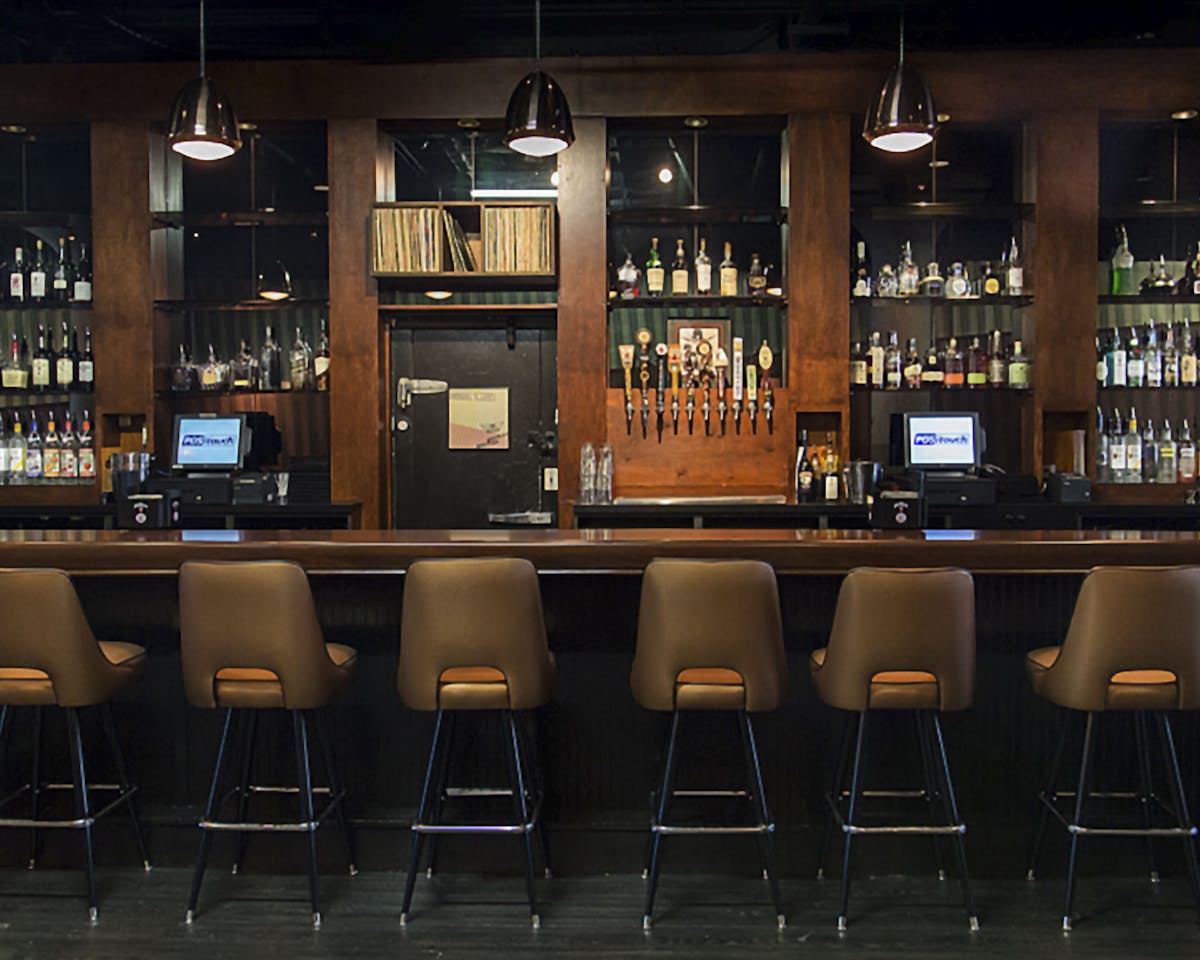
x: 1068, y: 488
x: 943, y: 490
x: 899, y: 510
x: 193, y: 489
x: 147, y: 511
x: 253, y: 488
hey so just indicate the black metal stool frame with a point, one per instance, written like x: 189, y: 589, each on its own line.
x: 86, y: 813
x: 938, y: 791
x: 309, y: 821
x: 1148, y: 801
x: 763, y: 827
x: 525, y: 789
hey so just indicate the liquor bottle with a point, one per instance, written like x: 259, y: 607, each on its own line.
x: 1133, y: 449
x: 61, y: 279
x: 997, y: 362
x: 655, y: 273
x: 1135, y: 363
x: 68, y: 449
x: 1185, y: 455
x: 184, y: 375
x: 679, y: 272
x: 87, y: 363
x: 989, y: 284
x: 860, y: 273
x: 1161, y: 282
x: 18, y: 277
x: 33, y: 452
x: 301, y: 363
x: 804, y: 470
x: 933, y: 284
x: 51, y: 451
x: 14, y: 376
x: 860, y: 364
x: 1018, y: 368
x: 932, y: 374
x: 41, y: 373
x: 17, y: 450
x: 1170, y: 360
x: 37, y: 274
x: 1014, y: 283
x: 1116, y: 361
x: 82, y: 287
x: 270, y: 361
x: 876, y: 353
x: 210, y: 371
x: 1187, y: 357
x: 321, y: 360
x: 87, y: 449
x: 3, y: 453
x: 1103, y: 474
x: 888, y: 284
x: 1116, y: 448
x: 1167, y: 467
x: 1149, y: 453
x: 958, y: 284
x: 909, y: 279
x: 977, y: 365
x: 243, y: 369
x: 703, y: 264
x: 1101, y: 364
x: 1153, y: 357
x: 1190, y: 284
x: 955, y: 376
x: 830, y: 481
x: 728, y: 273
x: 1122, y: 266
x: 912, y: 366
x: 66, y: 363
x: 756, y: 278
x: 627, y: 278
x: 893, y: 363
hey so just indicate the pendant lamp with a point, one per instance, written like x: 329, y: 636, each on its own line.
x: 538, y: 120
x: 901, y: 117
x: 275, y: 283
x: 203, y: 125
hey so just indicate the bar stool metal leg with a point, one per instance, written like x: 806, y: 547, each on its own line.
x: 249, y: 723
x: 765, y: 836
x: 210, y: 808
x: 951, y: 803
x: 1048, y: 796
x: 664, y: 804
x: 834, y: 797
x: 307, y: 814
x: 533, y: 774
x: 114, y: 743
x: 337, y: 790
x: 83, y: 809
x: 933, y: 794
x: 521, y: 808
x: 1179, y: 799
x: 851, y: 817
x: 418, y: 840
x: 1145, y: 787
x: 441, y: 787
x: 35, y: 788
x: 1080, y: 796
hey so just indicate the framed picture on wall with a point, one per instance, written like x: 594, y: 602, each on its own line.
x: 690, y: 333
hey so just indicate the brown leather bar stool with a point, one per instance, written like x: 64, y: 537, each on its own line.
x: 251, y: 642
x: 901, y: 640
x: 1133, y: 646
x: 473, y: 638
x: 50, y: 658
x: 710, y: 637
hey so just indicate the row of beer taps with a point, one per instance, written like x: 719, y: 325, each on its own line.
x: 698, y: 365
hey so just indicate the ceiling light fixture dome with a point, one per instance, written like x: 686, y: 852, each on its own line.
x: 537, y: 122
x: 203, y: 123
x: 901, y: 117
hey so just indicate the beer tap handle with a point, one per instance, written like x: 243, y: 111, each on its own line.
x: 626, y: 351
x: 691, y: 404
x: 720, y: 364
x: 752, y: 397
x: 673, y: 360
x: 660, y: 396
x: 644, y: 337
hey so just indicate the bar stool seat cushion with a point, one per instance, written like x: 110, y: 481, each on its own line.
x: 1127, y: 689
x: 889, y: 689
x: 30, y: 687
x: 710, y: 688
x: 259, y: 689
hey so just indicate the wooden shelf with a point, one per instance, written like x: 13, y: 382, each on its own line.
x: 183, y: 306
x: 445, y: 306
x: 17, y: 307
x: 698, y: 214
x: 45, y: 218
x: 168, y: 394
x: 55, y: 492
x: 1150, y: 299
x: 249, y: 218
x: 1138, y: 493
x: 1025, y: 300
x: 1149, y: 208
x: 668, y: 302
x: 923, y: 210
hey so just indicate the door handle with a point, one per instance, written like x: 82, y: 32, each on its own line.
x: 407, y: 388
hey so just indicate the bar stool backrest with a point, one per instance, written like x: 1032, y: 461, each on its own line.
x: 43, y: 627
x: 473, y: 612
x: 1130, y: 618
x: 709, y: 613
x: 252, y: 614
x: 902, y: 620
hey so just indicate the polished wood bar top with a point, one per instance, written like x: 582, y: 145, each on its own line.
x: 622, y: 551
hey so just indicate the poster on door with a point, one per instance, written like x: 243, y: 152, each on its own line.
x: 478, y: 419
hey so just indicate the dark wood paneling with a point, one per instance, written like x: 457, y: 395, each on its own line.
x: 357, y: 419
x: 582, y: 314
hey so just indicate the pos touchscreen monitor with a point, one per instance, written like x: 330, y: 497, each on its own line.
x: 208, y: 442
x: 942, y: 441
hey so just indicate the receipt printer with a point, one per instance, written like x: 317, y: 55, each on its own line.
x: 898, y: 510
x: 1068, y: 488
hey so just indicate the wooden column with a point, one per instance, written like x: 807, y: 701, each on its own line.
x: 582, y: 295
x: 357, y: 409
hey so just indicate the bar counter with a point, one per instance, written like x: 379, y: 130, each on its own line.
x: 825, y: 552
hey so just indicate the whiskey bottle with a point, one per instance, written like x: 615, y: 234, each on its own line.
x: 41, y: 373
x: 17, y: 452
x: 68, y: 450
x: 876, y: 354
x: 211, y: 373
x: 655, y: 274
x: 243, y: 369
x: 1170, y: 360
x: 627, y: 278
x: 18, y: 278
x: 955, y: 376
x: 997, y: 362
x: 1122, y: 266
x: 728, y: 273
x: 184, y: 375
x: 321, y: 360
x: 65, y: 364
x: 1014, y: 282
x: 82, y: 286
x: 271, y: 362
x: 1103, y: 474
x: 37, y: 274
x: 1190, y: 284
x: 61, y: 281
x: 909, y: 280
x: 87, y: 363
x: 1187, y: 357
x: 1167, y: 467
x: 1153, y: 357
x: 933, y: 284
x: 893, y: 363
x: 912, y: 366
x: 1018, y: 368
x: 51, y: 451
x: 1185, y: 454
x: 860, y: 273
x: 958, y: 284
x: 87, y: 449
x: 33, y: 452
x: 1115, y: 360
x: 932, y: 374
x: 756, y: 278
x: 1133, y: 450
x: 301, y: 363
x: 679, y: 272
x: 977, y: 365
x: 860, y: 364
x: 1135, y: 363
x: 703, y: 265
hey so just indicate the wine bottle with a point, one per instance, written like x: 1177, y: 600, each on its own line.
x: 321, y: 360
x: 87, y: 363
x: 61, y: 282
x: 41, y: 374
x: 66, y: 363
x: 655, y: 274
x: 37, y: 274
x: 1014, y: 283
x: 18, y: 279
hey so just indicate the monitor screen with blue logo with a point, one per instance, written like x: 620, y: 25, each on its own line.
x: 942, y: 441
x: 207, y: 442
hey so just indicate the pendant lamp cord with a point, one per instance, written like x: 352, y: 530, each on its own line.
x: 202, y: 64
x: 537, y: 32
x: 901, y: 33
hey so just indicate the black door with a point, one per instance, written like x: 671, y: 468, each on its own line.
x: 434, y: 486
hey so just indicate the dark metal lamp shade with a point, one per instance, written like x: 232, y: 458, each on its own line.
x: 203, y: 124
x: 538, y: 120
x: 901, y: 115
x: 275, y: 283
